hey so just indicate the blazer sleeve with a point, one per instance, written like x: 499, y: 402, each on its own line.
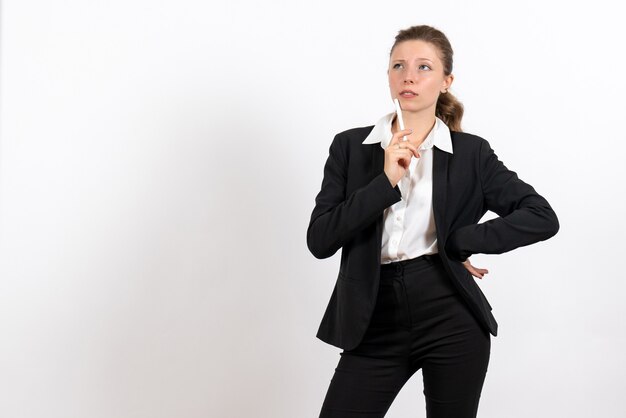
x: 337, y: 218
x: 525, y: 217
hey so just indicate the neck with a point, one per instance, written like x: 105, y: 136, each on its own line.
x: 421, y: 123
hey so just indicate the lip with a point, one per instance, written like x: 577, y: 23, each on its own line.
x: 411, y: 93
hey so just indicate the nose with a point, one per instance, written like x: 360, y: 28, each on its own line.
x: 409, y: 77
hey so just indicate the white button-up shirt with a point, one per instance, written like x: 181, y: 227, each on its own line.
x: 409, y: 225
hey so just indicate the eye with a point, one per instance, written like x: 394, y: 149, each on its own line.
x: 424, y: 65
x: 396, y: 65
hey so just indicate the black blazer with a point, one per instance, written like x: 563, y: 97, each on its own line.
x: 349, y: 209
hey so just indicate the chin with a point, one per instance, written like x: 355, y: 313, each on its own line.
x: 412, y: 108
x: 418, y: 106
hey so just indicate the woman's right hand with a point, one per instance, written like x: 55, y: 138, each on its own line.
x: 398, y: 156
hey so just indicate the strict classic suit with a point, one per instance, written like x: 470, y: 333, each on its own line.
x: 348, y: 214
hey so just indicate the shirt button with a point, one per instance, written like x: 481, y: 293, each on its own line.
x: 399, y: 218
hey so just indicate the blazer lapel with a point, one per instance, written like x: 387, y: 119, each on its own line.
x: 440, y: 184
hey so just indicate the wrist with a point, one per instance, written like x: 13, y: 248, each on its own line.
x: 391, y: 181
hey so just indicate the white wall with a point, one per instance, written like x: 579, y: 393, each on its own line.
x: 158, y: 165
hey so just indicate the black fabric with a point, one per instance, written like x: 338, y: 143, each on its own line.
x: 348, y: 214
x: 420, y: 322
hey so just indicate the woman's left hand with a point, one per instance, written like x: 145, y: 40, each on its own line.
x: 475, y: 271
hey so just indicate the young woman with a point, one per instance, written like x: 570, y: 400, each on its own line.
x: 405, y: 213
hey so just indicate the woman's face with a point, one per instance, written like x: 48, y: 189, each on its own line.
x: 415, y: 66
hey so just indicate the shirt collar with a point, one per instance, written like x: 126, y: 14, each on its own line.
x: 439, y: 136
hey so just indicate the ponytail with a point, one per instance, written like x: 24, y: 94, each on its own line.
x: 450, y: 110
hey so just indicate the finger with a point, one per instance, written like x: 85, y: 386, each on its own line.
x: 401, y: 152
x: 475, y: 274
x: 404, y: 155
x: 406, y: 160
x: 473, y: 270
x: 413, y: 149
x: 396, y: 137
x: 480, y: 271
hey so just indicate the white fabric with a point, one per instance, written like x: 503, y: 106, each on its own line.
x: 409, y: 225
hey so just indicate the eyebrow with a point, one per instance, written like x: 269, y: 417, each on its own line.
x: 423, y: 59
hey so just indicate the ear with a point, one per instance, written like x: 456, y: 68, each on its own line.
x: 447, y: 82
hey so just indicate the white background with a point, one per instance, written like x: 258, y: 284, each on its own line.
x: 158, y: 166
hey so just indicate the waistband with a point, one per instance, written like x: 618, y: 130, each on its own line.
x: 406, y: 266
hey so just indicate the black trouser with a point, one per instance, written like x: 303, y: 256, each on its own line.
x: 420, y: 322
